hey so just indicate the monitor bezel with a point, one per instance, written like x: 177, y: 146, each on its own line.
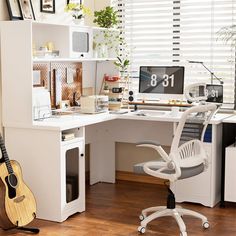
x: 160, y: 96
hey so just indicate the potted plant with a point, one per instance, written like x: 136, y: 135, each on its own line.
x: 106, y: 18
x: 122, y: 63
x: 78, y: 11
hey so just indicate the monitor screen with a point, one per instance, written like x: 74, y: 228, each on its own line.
x: 161, y: 79
x: 214, y: 93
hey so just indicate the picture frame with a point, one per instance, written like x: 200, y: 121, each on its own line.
x: 74, y: 1
x: 47, y: 6
x: 27, y: 9
x: 14, y: 9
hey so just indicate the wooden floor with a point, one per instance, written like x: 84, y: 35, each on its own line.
x: 113, y: 209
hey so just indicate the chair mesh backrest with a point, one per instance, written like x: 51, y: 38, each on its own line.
x: 193, y: 124
x: 193, y: 129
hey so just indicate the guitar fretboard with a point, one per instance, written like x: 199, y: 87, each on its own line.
x: 5, y: 155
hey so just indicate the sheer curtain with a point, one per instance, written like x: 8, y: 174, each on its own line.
x: 173, y: 32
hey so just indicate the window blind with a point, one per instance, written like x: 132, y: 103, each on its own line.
x: 172, y: 32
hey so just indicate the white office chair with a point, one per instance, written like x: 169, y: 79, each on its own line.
x: 187, y: 158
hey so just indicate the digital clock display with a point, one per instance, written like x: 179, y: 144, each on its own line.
x: 214, y: 93
x: 161, y: 79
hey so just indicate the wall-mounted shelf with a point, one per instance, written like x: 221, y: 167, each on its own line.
x: 59, y: 59
x: 30, y: 36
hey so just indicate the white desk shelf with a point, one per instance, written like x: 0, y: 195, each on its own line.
x: 39, y: 148
x: 17, y: 70
x: 59, y: 59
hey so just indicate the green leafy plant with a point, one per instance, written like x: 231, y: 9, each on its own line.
x: 106, y: 18
x: 108, y: 38
x: 122, y: 63
x: 78, y: 10
x: 123, y: 56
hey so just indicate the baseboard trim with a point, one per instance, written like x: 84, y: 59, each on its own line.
x: 130, y: 176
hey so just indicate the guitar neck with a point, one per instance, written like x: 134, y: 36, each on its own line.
x: 5, y: 155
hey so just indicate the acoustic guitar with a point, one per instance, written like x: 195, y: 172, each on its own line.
x: 17, y: 203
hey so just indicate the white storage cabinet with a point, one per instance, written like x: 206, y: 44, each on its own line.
x: 230, y: 177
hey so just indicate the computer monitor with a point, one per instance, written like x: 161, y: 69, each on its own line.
x: 214, y: 93
x: 161, y: 82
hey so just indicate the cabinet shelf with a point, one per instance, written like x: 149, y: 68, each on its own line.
x: 105, y: 29
x: 72, y: 59
x: 74, y: 140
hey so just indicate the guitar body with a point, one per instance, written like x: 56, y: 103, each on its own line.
x: 17, y: 203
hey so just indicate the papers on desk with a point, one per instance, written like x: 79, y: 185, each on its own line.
x: 150, y: 113
x: 118, y: 112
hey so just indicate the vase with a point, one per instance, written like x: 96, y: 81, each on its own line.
x: 95, y: 53
x: 78, y: 21
x: 103, y: 51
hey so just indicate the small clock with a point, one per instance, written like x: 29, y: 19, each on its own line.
x: 214, y: 93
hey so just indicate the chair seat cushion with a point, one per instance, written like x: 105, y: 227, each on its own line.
x: 185, y: 172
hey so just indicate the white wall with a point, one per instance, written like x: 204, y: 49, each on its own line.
x: 99, y: 4
x: 3, y: 10
x: 60, y: 16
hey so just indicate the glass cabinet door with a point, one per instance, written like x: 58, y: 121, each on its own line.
x: 72, y: 174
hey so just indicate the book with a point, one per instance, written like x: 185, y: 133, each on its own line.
x: 68, y: 136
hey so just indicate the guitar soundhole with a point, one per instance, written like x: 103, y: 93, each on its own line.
x: 11, y: 185
x: 12, y: 180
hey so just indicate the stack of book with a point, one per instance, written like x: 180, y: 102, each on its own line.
x: 68, y: 136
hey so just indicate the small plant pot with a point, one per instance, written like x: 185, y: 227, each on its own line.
x: 78, y: 21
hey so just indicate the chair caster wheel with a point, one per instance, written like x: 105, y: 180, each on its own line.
x: 141, y: 229
x: 183, y: 234
x: 141, y: 217
x: 205, y: 225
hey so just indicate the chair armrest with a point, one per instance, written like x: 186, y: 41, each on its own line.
x: 156, y: 146
x: 149, y: 168
x: 138, y: 168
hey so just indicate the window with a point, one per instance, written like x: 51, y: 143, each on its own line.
x: 173, y: 32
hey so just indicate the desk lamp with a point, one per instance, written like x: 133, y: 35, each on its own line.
x: 212, y: 74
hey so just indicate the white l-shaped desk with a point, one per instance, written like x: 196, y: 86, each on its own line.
x: 41, y: 153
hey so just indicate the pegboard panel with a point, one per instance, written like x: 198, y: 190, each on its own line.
x: 49, y: 72
x: 44, y: 69
x: 68, y: 89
